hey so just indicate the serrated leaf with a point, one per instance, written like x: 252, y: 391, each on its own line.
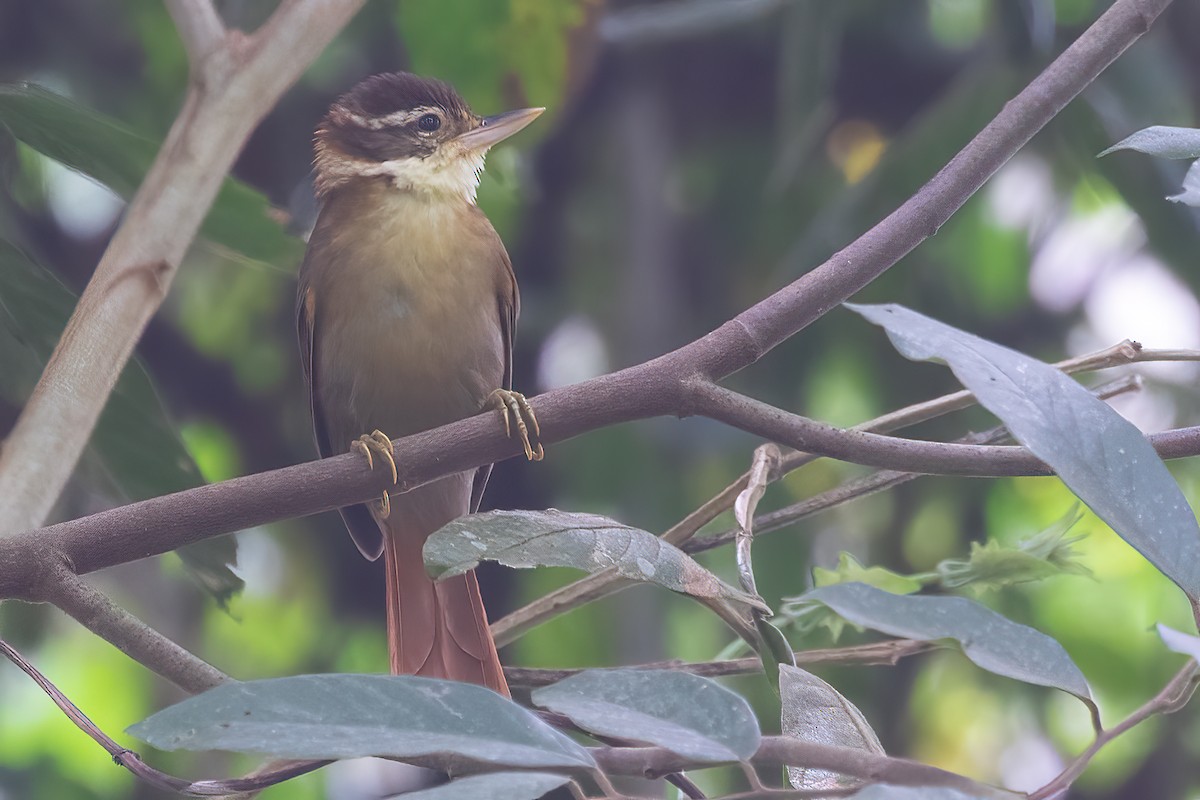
x: 134, y: 441
x: 1163, y: 141
x: 57, y: 127
x: 992, y: 641
x: 437, y: 723
x: 849, y: 570
x: 491, y: 786
x: 993, y: 565
x: 1180, y: 642
x: 589, y: 542
x: 691, y: 716
x: 1190, y: 195
x: 813, y: 711
x: 1098, y: 454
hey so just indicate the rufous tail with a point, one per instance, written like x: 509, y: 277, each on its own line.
x: 439, y: 630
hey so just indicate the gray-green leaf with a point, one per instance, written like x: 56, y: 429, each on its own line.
x: 442, y: 724
x: 1104, y: 459
x: 491, y: 786
x: 692, y: 716
x: 993, y: 642
x: 1180, y: 642
x: 1163, y: 141
x: 884, y: 791
x: 813, y: 711
x: 589, y: 542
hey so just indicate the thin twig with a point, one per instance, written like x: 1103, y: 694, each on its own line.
x: 1173, y: 697
x: 876, y: 653
x: 140, y: 769
x: 607, y: 582
x: 875, y: 482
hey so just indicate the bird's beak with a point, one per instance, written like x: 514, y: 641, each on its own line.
x: 498, y: 128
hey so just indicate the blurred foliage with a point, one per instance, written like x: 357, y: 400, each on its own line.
x: 693, y: 159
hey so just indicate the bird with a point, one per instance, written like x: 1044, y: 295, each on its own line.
x: 406, y: 309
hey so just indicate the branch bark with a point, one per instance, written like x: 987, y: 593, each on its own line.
x: 235, y: 80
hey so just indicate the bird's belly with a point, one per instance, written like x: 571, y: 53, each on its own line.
x: 402, y: 368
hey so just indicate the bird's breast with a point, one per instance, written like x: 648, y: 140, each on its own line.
x: 409, y: 334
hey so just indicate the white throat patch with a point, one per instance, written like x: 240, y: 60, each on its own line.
x: 450, y: 171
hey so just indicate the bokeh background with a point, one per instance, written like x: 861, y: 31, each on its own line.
x: 696, y: 155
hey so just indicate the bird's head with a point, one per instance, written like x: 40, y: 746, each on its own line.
x: 416, y: 132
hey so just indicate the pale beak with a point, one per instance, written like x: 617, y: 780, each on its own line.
x: 498, y: 128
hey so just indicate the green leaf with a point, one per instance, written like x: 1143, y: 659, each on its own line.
x: 1162, y: 141
x: 241, y: 220
x: 849, y: 570
x: 135, y: 441
x: 491, y: 786
x: 691, y: 716
x: 993, y: 642
x: 442, y: 724
x: 1103, y: 458
x: 589, y: 542
x: 813, y: 711
x: 493, y: 45
x: 993, y: 565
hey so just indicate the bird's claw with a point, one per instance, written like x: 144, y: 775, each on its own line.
x: 514, y: 406
x: 379, y: 443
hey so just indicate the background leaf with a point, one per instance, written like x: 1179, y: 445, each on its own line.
x: 1163, y: 141
x: 693, y: 716
x: 440, y: 723
x: 884, y: 791
x: 241, y: 219
x: 589, y: 542
x: 993, y: 642
x: 135, y: 443
x: 813, y: 711
x: 1101, y: 456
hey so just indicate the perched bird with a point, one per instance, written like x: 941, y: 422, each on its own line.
x: 406, y: 311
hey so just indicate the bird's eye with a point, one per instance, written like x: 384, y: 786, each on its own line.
x: 429, y: 123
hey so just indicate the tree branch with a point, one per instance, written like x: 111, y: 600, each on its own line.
x: 140, y: 261
x: 241, y: 80
x: 1173, y: 697
x: 199, y: 27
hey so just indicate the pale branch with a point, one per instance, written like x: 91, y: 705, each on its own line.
x: 608, y: 581
x: 199, y: 26
x: 886, y: 653
x: 1173, y: 697
x: 236, y: 85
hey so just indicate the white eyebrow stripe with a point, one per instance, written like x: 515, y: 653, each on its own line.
x: 394, y: 120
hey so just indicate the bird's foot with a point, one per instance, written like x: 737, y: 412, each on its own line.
x: 514, y: 406
x: 379, y: 443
